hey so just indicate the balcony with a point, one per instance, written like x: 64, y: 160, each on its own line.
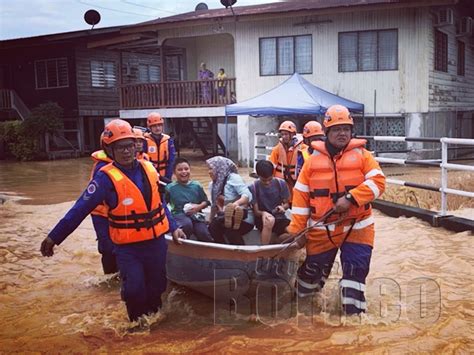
x: 179, y: 94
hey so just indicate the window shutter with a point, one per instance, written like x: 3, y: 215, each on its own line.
x: 268, y: 56
x: 368, y: 50
x: 348, y: 52
x: 303, y: 54
x: 388, y: 50
x: 63, y: 79
x: 285, y: 55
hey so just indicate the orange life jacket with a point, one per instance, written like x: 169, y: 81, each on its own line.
x: 305, y: 153
x: 287, y: 161
x: 131, y: 220
x: 99, y: 156
x: 143, y: 155
x: 158, y: 155
x: 334, y: 178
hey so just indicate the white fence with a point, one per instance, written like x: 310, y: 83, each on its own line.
x: 262, y: 151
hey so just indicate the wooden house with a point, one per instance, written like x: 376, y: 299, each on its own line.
x: 411, y: 63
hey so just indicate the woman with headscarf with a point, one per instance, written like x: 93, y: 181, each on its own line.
x: 230, y: 196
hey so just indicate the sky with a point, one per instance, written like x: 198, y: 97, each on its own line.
x: 27, y: 18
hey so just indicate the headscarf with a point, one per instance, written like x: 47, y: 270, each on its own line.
x: 221, y: 168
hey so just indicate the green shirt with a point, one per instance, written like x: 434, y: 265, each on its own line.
x: 179, y: 194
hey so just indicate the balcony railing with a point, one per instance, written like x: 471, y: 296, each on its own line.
x: 204, y: 93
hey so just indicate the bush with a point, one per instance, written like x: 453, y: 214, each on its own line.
x: 17, y: 140
x: 23, y: 137
x: 45, y: 118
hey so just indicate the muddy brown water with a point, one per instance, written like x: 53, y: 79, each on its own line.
x: 419, y: 290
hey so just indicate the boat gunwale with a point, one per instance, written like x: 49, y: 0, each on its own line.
x: 250, y: 249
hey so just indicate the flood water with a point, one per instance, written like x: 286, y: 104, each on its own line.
x: 420, y: 288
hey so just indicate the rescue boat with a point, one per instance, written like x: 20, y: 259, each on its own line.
x: 225, y: 272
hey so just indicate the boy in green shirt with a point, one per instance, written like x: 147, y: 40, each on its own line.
x: 187, y: 199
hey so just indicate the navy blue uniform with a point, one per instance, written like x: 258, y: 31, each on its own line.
x: 104, y: 243
x: 142, y: 265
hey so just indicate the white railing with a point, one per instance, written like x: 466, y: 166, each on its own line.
x: 19, y: 105
x: 262, y: 151
x: 9, y: 99
x: 444, y: 165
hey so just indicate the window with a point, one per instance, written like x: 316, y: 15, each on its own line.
x: 148, y: 73
x: 286, y: 55
x: 51, y: 73
x: 461, y: 58
x: 103, y: 74
x: 441, y: 51
x: 368, y: 50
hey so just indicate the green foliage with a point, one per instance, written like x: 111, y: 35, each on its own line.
x: 23, y: 137
x: 19, y: 144
x: 45, y: 118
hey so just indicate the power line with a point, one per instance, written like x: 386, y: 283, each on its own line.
x: 148, y: 7
x: 115, y: 10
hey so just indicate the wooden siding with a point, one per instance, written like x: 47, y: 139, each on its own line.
x: 449, y: 91
x: 130, y: 63
x: 94, y: 101
x: 398, y: 91
x: 19, y: 65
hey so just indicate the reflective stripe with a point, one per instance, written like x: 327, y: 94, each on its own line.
x: 331, y: 227
x: 301, y: 187
x: 116, y: 174
x: 374, y: 172
x: 371, y: 185
x: 300, y: 210
x: 308, y: 285
x: 315, y: 153
x: 361, y: 224
x: 354, y: 302
x: 352, y: 284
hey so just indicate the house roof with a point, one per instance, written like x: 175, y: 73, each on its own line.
x: 60, y: 37
x: 275, y: 8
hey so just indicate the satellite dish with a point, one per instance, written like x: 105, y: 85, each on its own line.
x: 228, y: 3
x: 201, y: 7
x: 92, y: 17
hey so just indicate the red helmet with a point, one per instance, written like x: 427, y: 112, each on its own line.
x: 139, y: 133
x: 312, y: 128
x: 288, y: 126
x: 337, y: 115
x: 117, y: 130
x: 154, y: 118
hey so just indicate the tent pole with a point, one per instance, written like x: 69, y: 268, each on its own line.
x: 226, y: 152
x: 375, y: 122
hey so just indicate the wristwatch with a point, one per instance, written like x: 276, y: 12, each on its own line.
x: 348, y: 196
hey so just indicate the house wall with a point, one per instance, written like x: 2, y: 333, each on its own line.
x: 447, y: 90
x: 130, y: 63
x: 96, y: 101
x: 21, y: 66
x: 216, y: 50
x: 398, y: 91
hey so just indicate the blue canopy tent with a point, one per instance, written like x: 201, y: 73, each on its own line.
x: 294, y: 96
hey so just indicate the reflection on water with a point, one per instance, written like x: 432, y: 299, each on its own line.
x: 419, y: 290
x: 45, y: 182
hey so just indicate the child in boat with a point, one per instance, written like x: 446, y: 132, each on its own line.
x: 230, y: 196
x: 187, y: 199
x: 270, y: 202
